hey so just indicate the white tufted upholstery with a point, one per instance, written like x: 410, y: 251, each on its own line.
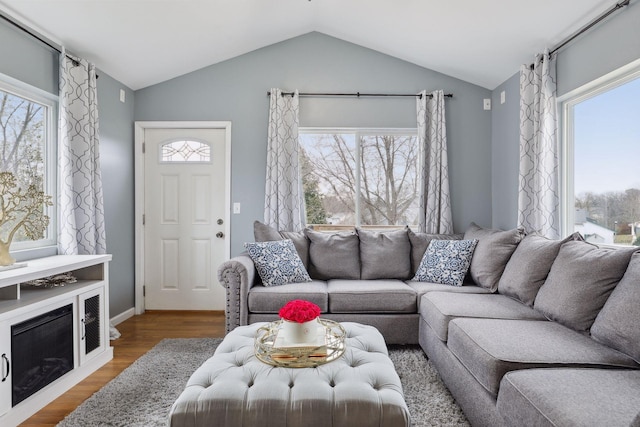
x: 233, y: 388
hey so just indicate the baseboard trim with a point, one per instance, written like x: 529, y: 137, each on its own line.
x: 127, y: 314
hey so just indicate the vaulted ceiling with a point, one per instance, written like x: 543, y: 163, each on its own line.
x: 143, y: 42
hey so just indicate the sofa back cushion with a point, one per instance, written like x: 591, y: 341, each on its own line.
x: 581, y: 279
x: 265, y: 233
x: 385, y: 254
x: 420, y: 243
x: 618, y: 323
x: 529, y: 267
x: 333, y: 255
x: 493, y: 251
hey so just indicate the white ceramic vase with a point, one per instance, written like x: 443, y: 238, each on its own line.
x: 303, y: 333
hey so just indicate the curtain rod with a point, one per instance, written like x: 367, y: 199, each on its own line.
x: 358, y: 94
x: 39, y: 38
x: 584, y: 29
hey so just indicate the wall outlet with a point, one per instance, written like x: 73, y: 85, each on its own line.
x: 487, y: 104
x: 123, y: 95
x: 236, y: 208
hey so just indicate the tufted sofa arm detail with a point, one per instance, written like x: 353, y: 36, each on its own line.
x: 237, y: 275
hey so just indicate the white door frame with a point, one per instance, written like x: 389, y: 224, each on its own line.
x: 140, y: 128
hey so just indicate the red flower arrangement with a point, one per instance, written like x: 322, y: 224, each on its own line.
x: 299, y: 311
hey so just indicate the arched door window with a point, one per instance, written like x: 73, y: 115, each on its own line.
x: 185, y: 151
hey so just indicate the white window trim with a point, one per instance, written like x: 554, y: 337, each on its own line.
x: 48, y: 246
x: 565, y: 104
x: 358, y: 132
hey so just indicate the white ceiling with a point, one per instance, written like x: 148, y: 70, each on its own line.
x: 143, y: 42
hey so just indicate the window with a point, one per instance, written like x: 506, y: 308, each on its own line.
x: 27, y: 147
x: 360, y: 177
x: 185, y: 152
x: 602, y: 160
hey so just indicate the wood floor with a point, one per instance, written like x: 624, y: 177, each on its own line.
x: 139, y: 335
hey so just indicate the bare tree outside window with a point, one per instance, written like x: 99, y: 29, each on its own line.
x: 23, y: 136
x: 360, y: 178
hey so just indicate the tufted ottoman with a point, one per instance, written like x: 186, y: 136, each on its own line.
x: 233, y: 388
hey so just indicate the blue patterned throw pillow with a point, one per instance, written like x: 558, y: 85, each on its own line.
x: 277, y: 262
x: 446, y: 261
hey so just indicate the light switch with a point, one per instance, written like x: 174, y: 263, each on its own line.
x: 487, y: 104
x: 503, y: 97
x: 123, y: 95
x: 236, y: 208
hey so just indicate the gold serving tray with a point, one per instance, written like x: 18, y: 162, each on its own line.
x: 273, y: 351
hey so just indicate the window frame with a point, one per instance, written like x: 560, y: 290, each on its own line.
x: 358, y: 132
x: 566, y: 104
x: 47, y: 246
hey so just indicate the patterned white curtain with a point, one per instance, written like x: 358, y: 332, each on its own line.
x: 81, y: 227
x: 538, y: 198
x: 283, y: 197
x: 435, y: 200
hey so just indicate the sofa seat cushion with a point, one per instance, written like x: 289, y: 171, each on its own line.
x: 371, y: 296
x: 422, y: 288
x: 489, y: 348
x: 570, y: 397
x: 438, y: 308
x: 263, y: 299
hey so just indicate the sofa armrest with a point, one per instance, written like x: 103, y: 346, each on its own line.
x: 237, y: 275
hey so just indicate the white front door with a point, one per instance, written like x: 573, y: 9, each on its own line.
x: 185, y: 218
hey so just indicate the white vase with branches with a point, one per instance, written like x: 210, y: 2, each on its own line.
x: 21, y: 210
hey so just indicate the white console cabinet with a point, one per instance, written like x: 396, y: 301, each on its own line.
x: 89, y: 299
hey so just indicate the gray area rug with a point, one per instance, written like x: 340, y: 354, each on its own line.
x: 142, y: 394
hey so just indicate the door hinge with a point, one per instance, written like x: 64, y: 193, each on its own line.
x: 143, y: 148
x: 144, y: 219
x: 144, y: 291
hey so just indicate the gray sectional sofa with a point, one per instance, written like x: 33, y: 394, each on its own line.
x: 543, y: 333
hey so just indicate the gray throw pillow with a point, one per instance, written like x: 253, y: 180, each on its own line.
x: 581, y: 279
x: 420, y: 243
x: 492, y: 253
x: 529, y: 267
x: 385, y: 254
x: 618, y: 323
x: 277, y: 262
x: 333, y: 255
x: 446, y: 262
x: 265, y: 233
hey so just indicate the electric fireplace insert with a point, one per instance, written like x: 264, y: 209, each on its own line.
x: 41, y: 351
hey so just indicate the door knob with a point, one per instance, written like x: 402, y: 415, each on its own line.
x: 219, y: 234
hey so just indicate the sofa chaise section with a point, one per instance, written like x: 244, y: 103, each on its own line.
x: 489, y: 348
x: 570, y: 397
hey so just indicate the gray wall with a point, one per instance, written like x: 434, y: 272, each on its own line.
x: 30, y: 61
x: 605, y: 48
x: 236, y: 89
x: 505, y: 153
x: 27, y: 60
x: 116, y: 160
